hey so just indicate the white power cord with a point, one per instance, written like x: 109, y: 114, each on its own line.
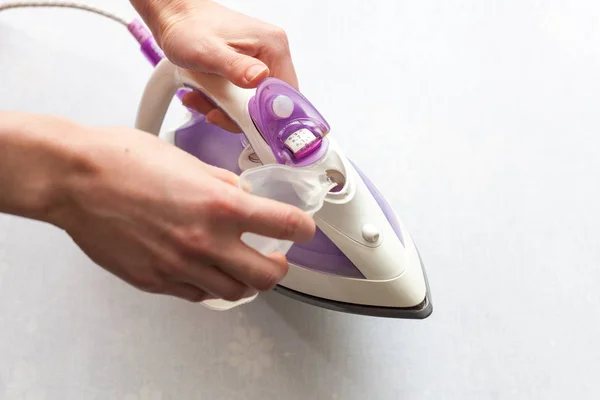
x: 62, y: 4
x: 135, y: 27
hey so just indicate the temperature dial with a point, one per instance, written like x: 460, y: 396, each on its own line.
x: 301, y: 142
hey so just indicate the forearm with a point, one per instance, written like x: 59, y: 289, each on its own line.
x: 38, y: 156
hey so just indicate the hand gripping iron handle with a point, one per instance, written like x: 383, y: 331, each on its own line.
x: 167, y: 78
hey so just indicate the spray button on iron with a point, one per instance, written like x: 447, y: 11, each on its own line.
x: 370, y: 233
x: 282, y: 106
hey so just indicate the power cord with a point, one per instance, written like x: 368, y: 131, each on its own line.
x: 137, y: 29
x: 62, y: 4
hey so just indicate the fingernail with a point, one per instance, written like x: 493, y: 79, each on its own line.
x: 254, y: 71
x: 209, y: 117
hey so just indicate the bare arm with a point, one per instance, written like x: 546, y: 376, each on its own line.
x: 38, y: 157
x: 142, y: 209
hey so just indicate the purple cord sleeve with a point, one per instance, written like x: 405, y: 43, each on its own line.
x: 148, y: 45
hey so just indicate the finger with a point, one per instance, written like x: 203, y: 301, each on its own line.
x: 271, y: 218
x: 218, y: 117
x: 198, y: 102
x: 215, y: 282
x: 222, y: 174
x: 275, y: 52
x: 278, y: 258
x: 185, y: 291
x: 283, y: 68
x: 252, y: 268
x: 242, y: 70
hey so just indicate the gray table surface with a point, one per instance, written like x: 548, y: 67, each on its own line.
x: 478, y: 120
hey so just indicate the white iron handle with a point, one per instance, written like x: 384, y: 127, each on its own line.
x: 157, y: 96
x: 167, y: 78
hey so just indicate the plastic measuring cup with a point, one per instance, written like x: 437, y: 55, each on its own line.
x: 302, y: 188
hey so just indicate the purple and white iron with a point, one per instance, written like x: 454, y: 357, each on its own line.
x: 361, y: 259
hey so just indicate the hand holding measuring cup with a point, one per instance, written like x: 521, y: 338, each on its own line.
x: 302, y: 188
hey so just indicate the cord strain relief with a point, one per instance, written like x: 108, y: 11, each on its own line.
x: 139, y: 31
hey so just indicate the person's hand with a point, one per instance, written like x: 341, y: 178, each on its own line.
x: 204, y: 36
x: 167, y: 223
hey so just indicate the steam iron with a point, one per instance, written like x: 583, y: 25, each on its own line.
x: 361, y: 260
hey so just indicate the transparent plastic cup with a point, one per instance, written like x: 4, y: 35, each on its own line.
x: 302, y: 188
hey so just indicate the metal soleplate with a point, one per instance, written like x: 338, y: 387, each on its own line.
x: 420, y: 311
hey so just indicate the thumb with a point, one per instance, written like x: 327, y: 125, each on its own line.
x: 242, y: 70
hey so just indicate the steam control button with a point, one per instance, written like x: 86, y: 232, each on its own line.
x: 282, y: 106
x: 370, y: 233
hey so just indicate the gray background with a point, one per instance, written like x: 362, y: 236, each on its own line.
x: 478, y: 120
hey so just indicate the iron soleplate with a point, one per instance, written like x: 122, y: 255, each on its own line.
x: 420, y: 311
